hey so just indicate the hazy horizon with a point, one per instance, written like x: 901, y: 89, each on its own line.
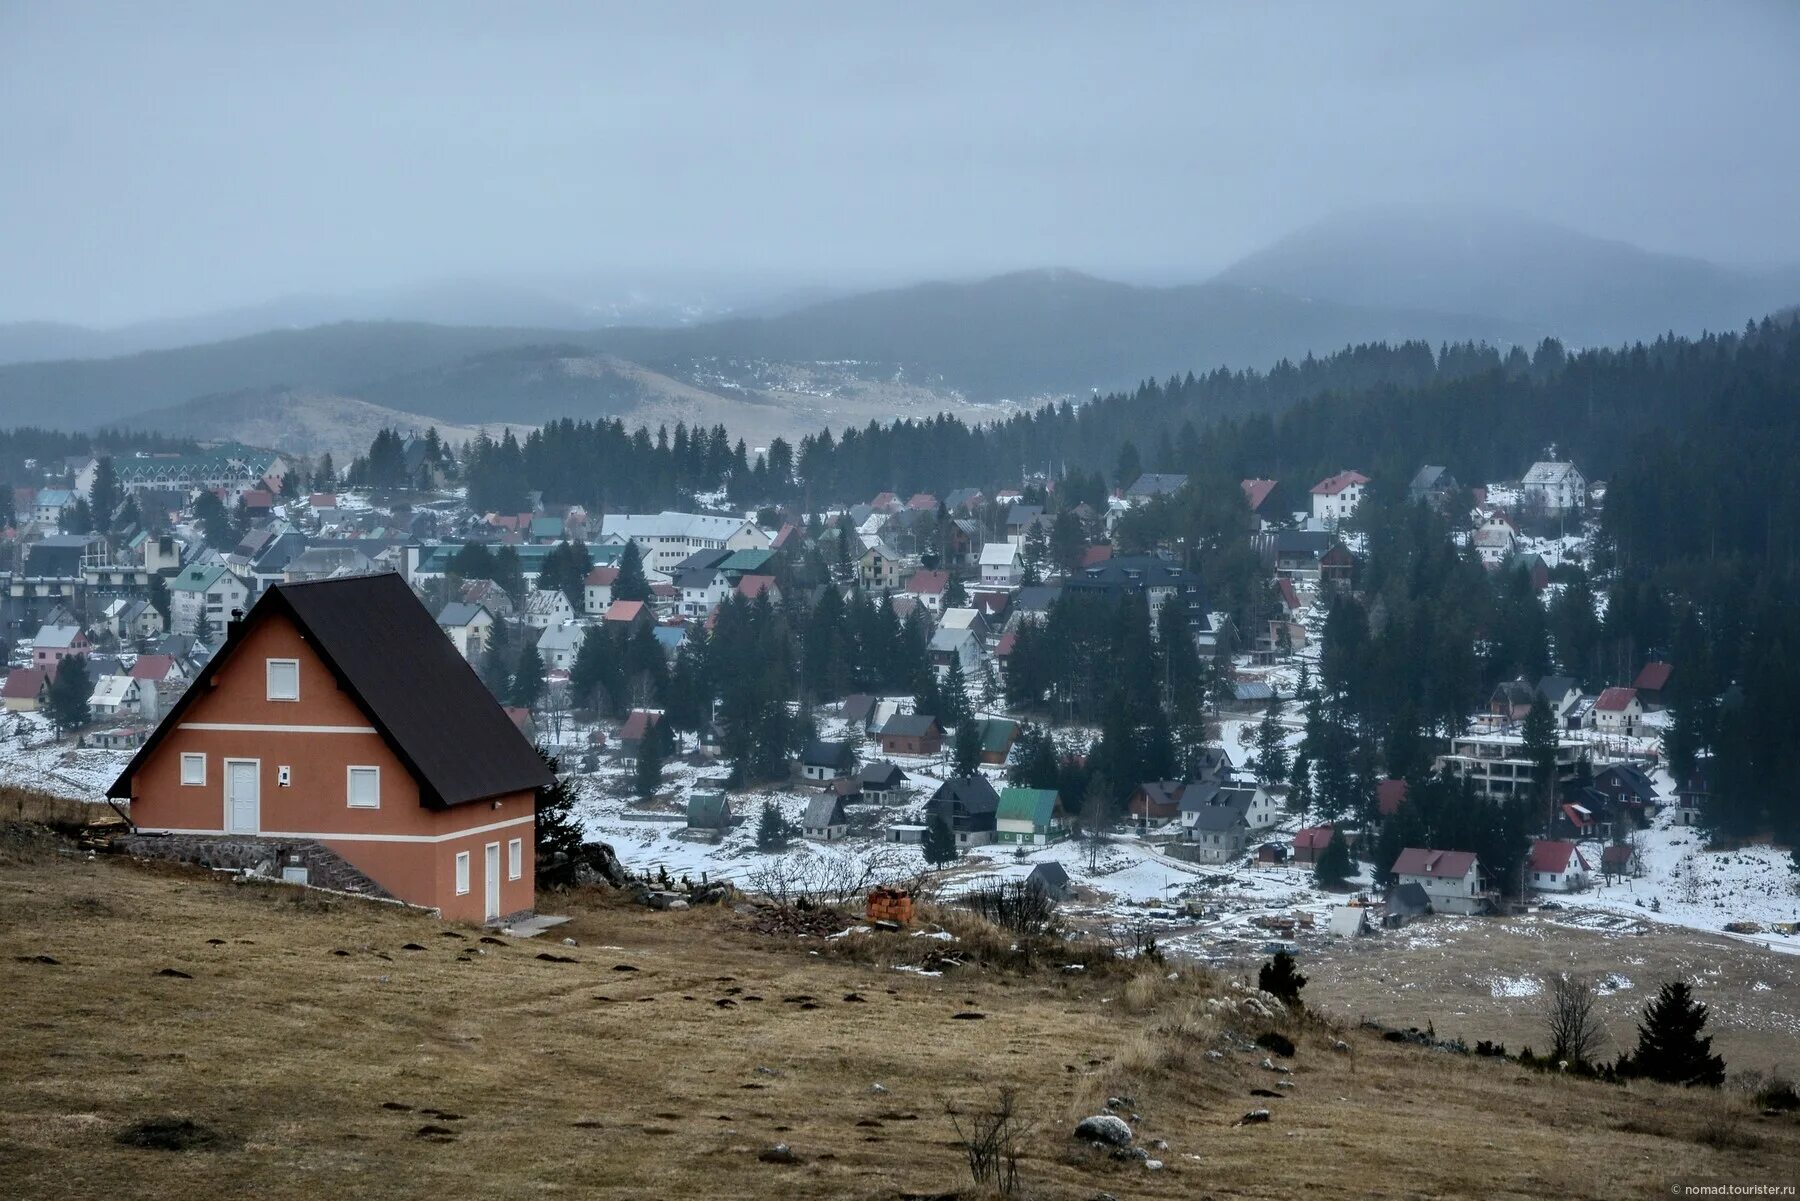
x: 211, y: 157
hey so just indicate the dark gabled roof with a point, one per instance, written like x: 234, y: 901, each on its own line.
x: 1628, y: 777
x: 881, y: 775
x: 973, y: 793
x: 909, y: 725
x: 1408, y: 898
x: 822, y: 753
x: 858, y: 706
x: 1555, y: 688
x: 387, y: 652
x: 1051, y: 875
x: 823, y: 811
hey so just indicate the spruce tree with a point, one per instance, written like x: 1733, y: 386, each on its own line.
x: 647, y: 777
x: 968, y: 747
x: 1541, y: 744
x: 69, y: 693
x: 1281, y: 979
x: 559, y: 830
x: 773, y: 831
x: 1334, y: 864
x: 1271, y: 764
x: 939, y: 844
x: 1670, y: 1046
x: 528, y: 680
x: 631, y: 584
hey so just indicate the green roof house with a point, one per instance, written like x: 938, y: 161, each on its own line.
x: 1029, y: 817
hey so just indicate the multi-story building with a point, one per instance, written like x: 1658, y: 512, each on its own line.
x: 1499, y: 766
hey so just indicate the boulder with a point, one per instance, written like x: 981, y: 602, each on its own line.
x: 1104, y: 1128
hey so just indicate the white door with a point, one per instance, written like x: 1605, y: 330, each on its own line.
x: 243, y: 798
x: 493, y: 881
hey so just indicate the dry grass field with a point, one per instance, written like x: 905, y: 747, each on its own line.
x: 337, y: 1049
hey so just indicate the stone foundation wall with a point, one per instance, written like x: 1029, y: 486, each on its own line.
x: 260, y: 856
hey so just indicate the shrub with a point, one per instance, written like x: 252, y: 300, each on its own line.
x: 1281, y: 979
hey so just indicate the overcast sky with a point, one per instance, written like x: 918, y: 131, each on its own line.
x: 164, y: 159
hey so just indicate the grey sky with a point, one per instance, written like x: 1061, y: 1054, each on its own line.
x: 160, y: 159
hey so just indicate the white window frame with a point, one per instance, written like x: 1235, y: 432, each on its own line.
x: 515, y: 858
x: 350, y: 786
x: 462, y: 873
x: 269, y: 666
x: 188, y: 759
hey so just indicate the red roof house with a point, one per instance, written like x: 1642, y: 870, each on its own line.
x: 1653, y: 682
x: 339, y: 725
x: 1555, y: 865
x: 1310, y: 843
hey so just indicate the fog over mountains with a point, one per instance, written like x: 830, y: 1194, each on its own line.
x: 783, y: 363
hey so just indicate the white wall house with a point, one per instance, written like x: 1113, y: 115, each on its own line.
x: 1452, y: 879
x: 665, y: 539
x: 1000, y: 566
x: 1553, y: 487
x: 211, y: 591
x: 1556, y: 866
x: 1336, y: 496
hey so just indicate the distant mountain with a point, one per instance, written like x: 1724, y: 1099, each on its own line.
x: 304, y: 422
x: 1016, y: 336
x: 577, y: 303
x: 1458, y: 259
x: 1050, y: 332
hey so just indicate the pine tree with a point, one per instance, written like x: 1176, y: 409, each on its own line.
x: 559, y: 830
x: 69, y: 693
x: 103, y: 496
x: 1670, y: 1046
x: 1271, y: 764
x: 939, y: 843
x: 1281, y: 979
x: 968, y: 747
x: 631, y: 584
x: 647, y: 777
x: 773, y: 831
x: 1540, y: 747
x: 953, y: 696
x: 528, y: 679
x: 496, y: 665
x: 1334, y: 865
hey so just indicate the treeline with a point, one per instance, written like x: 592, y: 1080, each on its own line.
x: 48, y: 448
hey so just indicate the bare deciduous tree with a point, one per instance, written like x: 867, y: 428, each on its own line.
x: 990, y: 1138
x: 1575, y: 1034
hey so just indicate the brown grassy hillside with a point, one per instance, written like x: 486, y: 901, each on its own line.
x: 340, y: 1049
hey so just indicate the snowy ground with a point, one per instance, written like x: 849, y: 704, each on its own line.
x: 31, y: 756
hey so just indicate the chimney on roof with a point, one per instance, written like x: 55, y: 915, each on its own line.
x: 235, y: 626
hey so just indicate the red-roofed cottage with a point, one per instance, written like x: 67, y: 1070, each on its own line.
x: 1556, y: 866
x: 1452, y: 879
x: 338, y: 733
x: 1618, y: 711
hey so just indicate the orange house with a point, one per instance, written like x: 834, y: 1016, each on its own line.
x: 337, y: 725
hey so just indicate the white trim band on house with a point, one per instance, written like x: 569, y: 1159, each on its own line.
x: 298, y: 837
x: 243, y: 727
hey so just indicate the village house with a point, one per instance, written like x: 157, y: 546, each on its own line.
x: 627, y: 614
x: 1555, y: 866
x: 26, y: 689
x: 997, y: 737
x: 929, y: 588
x: 1155, y: 803
x: 54, y: 643
x: 1266, y: 503
x: 1629, y: 794
x: 1495, y: 543
x: 879, y: 566
x: 467, y: 626
x: 1652, y: 685
x: 880, y: 783
x: 1618, y: 711
x: 827, y: 760
x: 1553, y: 488
x: 639, y: 724
x: 1691, y: 793
x: 131, y: 619
x: 204, y: 597
x: 951, y: 645
x: 558, y: 645
x: 708, y: 813
x: 1051, y: 880
x: 596, y: 594
x: 911, y: 734
x: 1217, y: 830
x: 1336, y: 496
x: 1433, y: 486
x: 1562, y: 694
x: 968, y: 805
x: 1150, y: 485
x: 825, y: 819
x: 1310, y: 843
x: 1620, y: 860
x: 1000, y: 564
x: 546, y: 607
x: 337, y: 726
x: 665, y: 539
x: 119, y: 696
x: 1451, y: 879
x: 1029, y: 817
